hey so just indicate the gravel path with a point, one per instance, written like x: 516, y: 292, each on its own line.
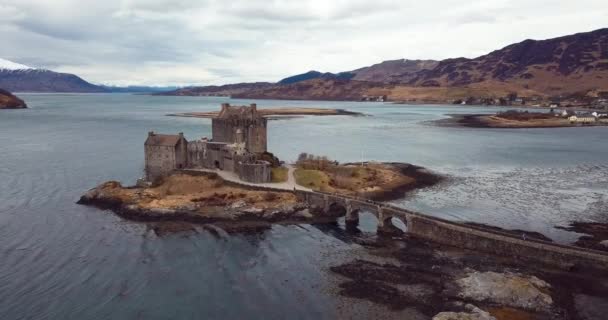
x: 290, y: 184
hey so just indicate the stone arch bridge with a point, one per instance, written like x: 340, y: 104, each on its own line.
x: 467, y: 236
x: 457, y: 234
x: 352, y: 207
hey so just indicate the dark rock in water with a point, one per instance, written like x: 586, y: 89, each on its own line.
x: 10, y: 101
x: 519, y: 233
x: 591, y: 308
x: 597, y: 234
x: 171, y: 227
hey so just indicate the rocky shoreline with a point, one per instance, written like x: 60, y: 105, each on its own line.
x: 430, y: 281
x: 203, y: 198
x: 423, y: 178
x: 10, y: 101
x: 596, y: 234
x: 234, y: 213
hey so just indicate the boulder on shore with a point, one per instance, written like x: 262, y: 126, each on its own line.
x: 506, y: 289
x: 473, y: 313
x: 10, y: 101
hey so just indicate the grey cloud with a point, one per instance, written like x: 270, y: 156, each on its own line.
x: 214, y: 41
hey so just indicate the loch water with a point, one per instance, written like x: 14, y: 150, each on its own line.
x: 60, y: 260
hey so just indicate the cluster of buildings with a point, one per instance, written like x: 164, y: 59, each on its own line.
x: 238, y: 144
x: 509, y: 100
x: 599, y: 102
x: 382, y: 98
x: 588, y: 118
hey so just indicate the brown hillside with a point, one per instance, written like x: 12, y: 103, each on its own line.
x: 394, y: 71
x: 562, y: 65
x: 224, y: 90
x: 318, y: 89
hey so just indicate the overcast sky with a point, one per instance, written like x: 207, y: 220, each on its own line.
x: 181, y: 42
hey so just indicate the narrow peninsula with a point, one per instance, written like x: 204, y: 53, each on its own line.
x: 514, y: 119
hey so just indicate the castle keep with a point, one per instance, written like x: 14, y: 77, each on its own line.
x: 238, y: 145
x: 240, y: 125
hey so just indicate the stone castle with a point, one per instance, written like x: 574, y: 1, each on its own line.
x: 238, y: 145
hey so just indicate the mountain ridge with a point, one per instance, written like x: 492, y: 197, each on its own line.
x: 17, y: 77
x: 551, y: 66
x: 316, y: 75
x: 42, y: 80
x: 393, y: 71
x: 564, y: 66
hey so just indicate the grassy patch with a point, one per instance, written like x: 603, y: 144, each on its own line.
x: 279, y: 174
x: 314, y: 179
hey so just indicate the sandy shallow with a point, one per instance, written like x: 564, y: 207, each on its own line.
x: 277, y: 112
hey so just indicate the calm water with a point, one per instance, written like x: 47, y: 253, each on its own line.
x: 59, y: 260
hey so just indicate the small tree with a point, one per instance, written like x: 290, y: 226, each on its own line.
x: 303, y: 156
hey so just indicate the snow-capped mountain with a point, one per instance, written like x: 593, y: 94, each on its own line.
x: 17, y: 77
x: 9, y: 65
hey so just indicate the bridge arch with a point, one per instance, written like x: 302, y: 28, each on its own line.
x: 399, y: 223
x: 352, y: 215
x: 336, y: 208
x: 391, y: 223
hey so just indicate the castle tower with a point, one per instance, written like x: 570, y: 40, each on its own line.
x: 251, y: 124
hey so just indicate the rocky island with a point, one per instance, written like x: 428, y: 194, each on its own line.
x: 10, y: 101
x: 233, y: 178
x: 202, y: 196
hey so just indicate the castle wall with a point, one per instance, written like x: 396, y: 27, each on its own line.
x: 202, y: 154
x: 256, y: 172
x: 222, y: 131
x: 196, y: 154
x: 228, y: 160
